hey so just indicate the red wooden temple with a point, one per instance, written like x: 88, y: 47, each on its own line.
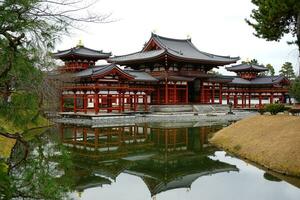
x: 166, y: 71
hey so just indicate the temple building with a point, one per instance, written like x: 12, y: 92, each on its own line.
x: 166, y: 71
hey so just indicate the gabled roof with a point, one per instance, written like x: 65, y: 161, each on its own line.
x: 81, y: 51
x: 180, y: 49
x: 246, y: 67
x: 101, y: 71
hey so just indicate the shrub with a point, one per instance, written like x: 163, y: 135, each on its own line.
x: 261, y: 110
x: 275, y: 108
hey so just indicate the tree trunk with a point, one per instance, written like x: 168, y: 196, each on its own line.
x: 298, y: 40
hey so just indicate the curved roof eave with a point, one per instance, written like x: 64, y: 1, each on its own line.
x: 234, y: 59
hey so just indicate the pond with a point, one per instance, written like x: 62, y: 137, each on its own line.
x: 165, y: 161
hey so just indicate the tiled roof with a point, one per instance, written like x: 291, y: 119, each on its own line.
x: 81, y: 51
x: 265, y: 80
x: 141, y: 76
x: 180, y: 49
x: 244, y: 67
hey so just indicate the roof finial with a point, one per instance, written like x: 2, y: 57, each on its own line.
x: 154, y: 31
x: 80, y: 44
x: 188, y: 36
x: 247, y: 60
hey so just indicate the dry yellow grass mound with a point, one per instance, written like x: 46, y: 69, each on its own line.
x: 271, y: 141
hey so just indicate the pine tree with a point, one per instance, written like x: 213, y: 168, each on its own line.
x: 287, y: 70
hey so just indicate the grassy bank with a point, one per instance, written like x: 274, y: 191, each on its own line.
x: 271, y: 141
x: 6, y: 144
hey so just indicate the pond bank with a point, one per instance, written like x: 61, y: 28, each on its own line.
x: 271, y: 141
x: 157, y: 117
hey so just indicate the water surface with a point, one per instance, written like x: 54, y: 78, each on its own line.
x: 147, y: 161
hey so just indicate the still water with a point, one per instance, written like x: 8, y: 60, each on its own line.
x: 146, y: 161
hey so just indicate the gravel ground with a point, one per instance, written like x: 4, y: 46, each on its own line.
x: 157, y: 117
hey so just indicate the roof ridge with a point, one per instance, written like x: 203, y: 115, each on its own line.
x: 138, y: 52
x: 168, y: 38
x: 210, y: 54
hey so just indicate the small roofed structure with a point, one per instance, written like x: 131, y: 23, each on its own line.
x: 247, y: 70
x: 79, y: 58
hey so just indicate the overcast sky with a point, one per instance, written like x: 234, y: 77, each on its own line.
x: 215, y: 26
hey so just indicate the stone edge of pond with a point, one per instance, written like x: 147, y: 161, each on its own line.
x: 154, y: 117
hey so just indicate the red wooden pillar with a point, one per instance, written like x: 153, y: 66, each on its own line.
x: 235, y: 101
x: 119, y: 102
x: 123, y: 101
x: 282, y: 98
x: 174, y: 93
x: 243, y: 98
x: 135, y: 101
x: 201, y: 92
x: 96, y: 102
x: 213, y: 94
x: 227, y: 98
x: 249, y: 99
x: 145, y: 102
x: 75, y: 102
x: 220, y: 93
x: 271, y: 98
x: 186, y: 93
x: 259, y: 100
x: 166, y: 93
x: 85, y: 102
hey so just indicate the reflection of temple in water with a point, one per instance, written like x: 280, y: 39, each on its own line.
x: 164, y: 156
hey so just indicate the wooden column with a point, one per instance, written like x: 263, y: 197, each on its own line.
x: 227, y: 98
x: 119, y: 102
x: 235, y: 101
x: 123, y: 101
x: 213, y: 94
x: 243, y: 96
x: 260, y: 100
x: 146, y: 102
x: 174, y: 93
x: 220, y: 93
x: 271, y: 98
x: 166, y: 93
x: 96, y: 102
x: 249, y: 99
x: 135, y: 101
x: 85, y: 102
x: 201, y: 89
x: 75, y: 103
x: 186, y: 93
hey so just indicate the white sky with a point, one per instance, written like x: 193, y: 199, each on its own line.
x: 215, y: 26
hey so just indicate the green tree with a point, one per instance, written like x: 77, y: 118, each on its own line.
x: 271, y: 71
x: 287, y: 70
x: 275, y: 18
x: 252, y: 62
x: 295, y: 89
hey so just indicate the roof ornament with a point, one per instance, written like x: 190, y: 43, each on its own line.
x: 80, y: 44
x: 188, y: 36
